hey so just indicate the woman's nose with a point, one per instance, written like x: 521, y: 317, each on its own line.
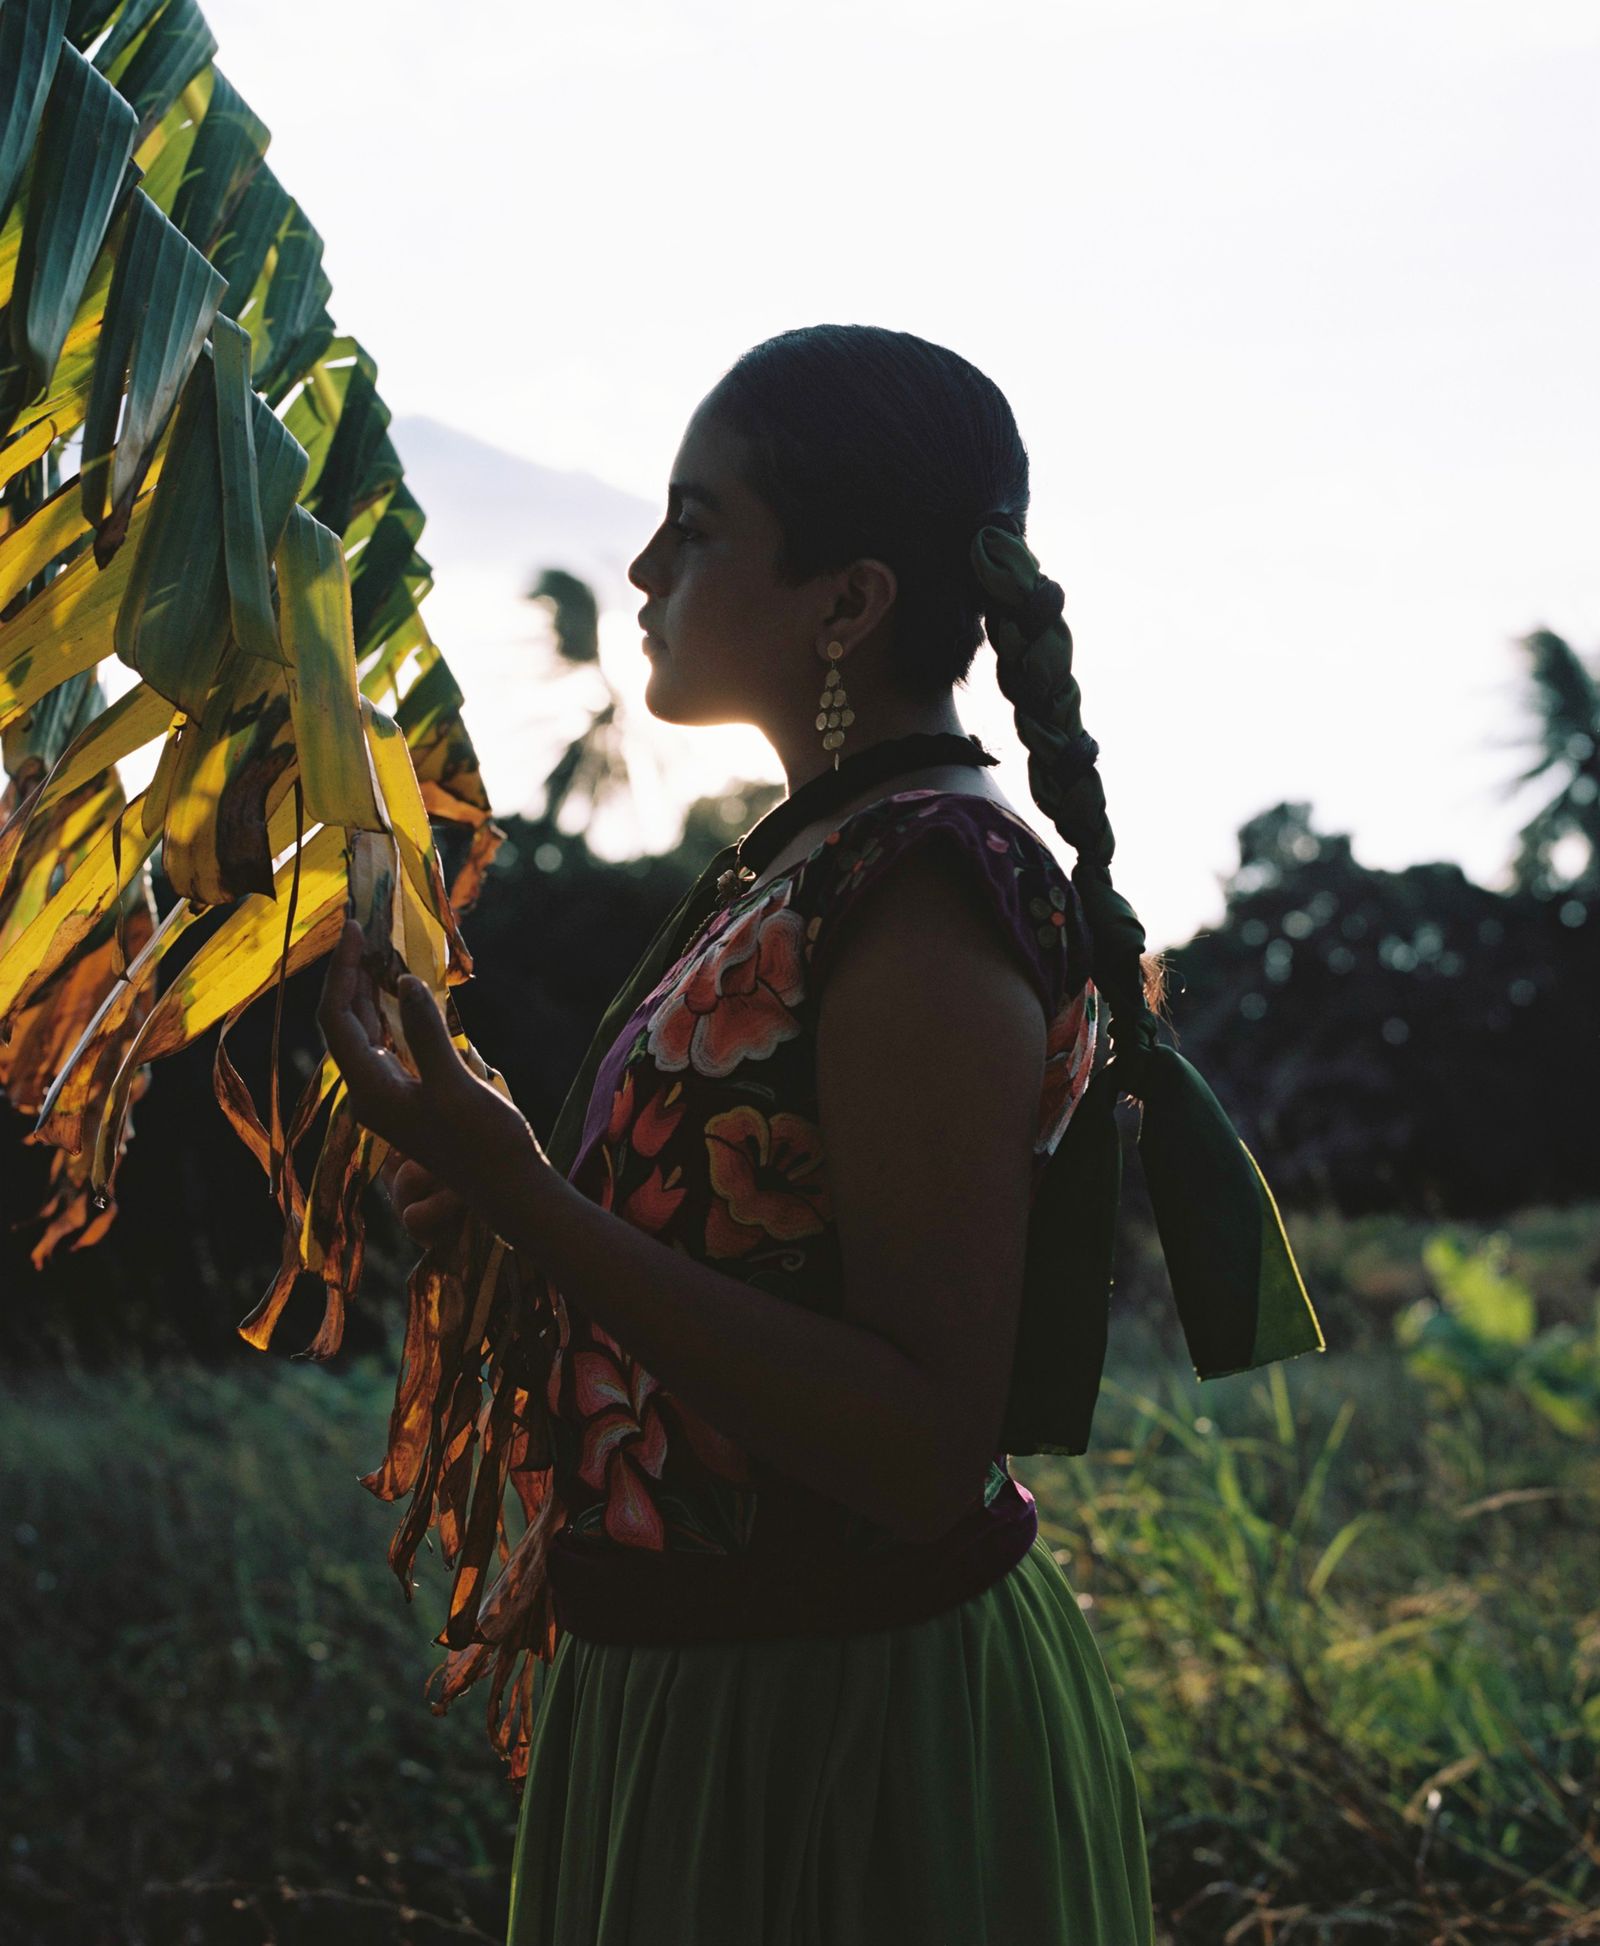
x: 636, y: 571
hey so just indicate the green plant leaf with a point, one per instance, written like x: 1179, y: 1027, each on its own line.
x: 255, y: 627
x: 84, y: 146
x: 226, y: 154
x: 314, y: 595
x: 173, y: 621
x: 1477, y: 1289
x: 30, y: 46
x: 251, y: 231
x: 177, y: 45
x: 163, y: 298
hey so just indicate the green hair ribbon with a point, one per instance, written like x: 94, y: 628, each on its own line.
x: 1238, y: 1291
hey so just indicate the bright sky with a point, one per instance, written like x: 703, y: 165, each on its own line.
x: 1295, y: 306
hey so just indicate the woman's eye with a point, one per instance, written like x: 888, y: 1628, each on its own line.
x: 688, y: 533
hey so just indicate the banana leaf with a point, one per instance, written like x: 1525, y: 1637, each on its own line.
x: 335, y: 762
x: 227, y: 151
x: 239, y: 533
x: 85, y: 142
x: 162, y: 300
x: 30, y: 46
x: 68, y: 627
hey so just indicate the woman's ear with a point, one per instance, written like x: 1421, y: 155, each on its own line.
x: 866, y: 595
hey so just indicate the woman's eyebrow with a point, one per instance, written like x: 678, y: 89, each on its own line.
x: 688, y: 490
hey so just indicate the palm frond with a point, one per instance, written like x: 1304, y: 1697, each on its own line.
x: 239, y: 535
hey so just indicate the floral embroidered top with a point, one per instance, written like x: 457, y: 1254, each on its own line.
x: 703, y: 1129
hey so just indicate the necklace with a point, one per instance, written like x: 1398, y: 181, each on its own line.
x: 831, y: 788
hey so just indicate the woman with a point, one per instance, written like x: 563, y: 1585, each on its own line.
x: 820, y: 1681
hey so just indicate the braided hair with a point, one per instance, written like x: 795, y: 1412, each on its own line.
x: 867, y: 441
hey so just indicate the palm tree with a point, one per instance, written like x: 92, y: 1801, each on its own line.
x: 1566, y: 738
x: 594, y: 765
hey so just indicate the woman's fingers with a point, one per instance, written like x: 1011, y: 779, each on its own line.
x: 428, y: 1218
x: 366, y: 1006
x: 382, y: 1094
x: 411, y: 1180
x: 429, y: 1210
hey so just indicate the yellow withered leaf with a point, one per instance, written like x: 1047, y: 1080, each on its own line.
x: 236, y: 965
x: 67, y: 919
x: 47, y: 852
x: 67, y: 627
x: 402, y: 798
x: 40, y: 538
x: 72, y: 1092
x: 319, y: 641
x: 240, y: 959
x: 133, y: 720
x: 232, y: 769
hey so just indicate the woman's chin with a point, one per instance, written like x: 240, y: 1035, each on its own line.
x: 670, y: 701
x: 658, y: 694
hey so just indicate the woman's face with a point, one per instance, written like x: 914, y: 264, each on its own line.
x: 727, y: 641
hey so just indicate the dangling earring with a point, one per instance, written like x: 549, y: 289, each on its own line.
x: 834, y: 713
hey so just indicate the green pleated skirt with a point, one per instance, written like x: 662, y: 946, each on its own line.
x: 963, y: 1781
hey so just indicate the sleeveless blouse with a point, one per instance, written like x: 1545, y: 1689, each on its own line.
x: 703, y: 1129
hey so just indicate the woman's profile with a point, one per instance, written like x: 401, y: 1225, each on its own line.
x: 819, y: 1680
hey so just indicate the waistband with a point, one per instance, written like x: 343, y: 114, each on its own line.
x: 604, y: 1592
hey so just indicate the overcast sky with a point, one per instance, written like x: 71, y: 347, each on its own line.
x: 1295, y: 305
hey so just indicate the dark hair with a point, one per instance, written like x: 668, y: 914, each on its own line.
x: 865, y: 441
x: 870, y: 442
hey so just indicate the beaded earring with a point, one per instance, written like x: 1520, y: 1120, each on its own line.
x: 834, y: 714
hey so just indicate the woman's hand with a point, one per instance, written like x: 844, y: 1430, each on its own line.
x: 429, y: 1210
x: 457, y: 1130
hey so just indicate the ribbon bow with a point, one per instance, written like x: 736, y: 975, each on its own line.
x: 1237, y: 1288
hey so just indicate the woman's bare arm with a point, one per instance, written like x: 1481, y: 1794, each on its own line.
x: 930, y: 1059
x: 931, y: 1052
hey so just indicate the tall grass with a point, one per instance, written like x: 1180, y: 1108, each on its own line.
x: 1357, y: 1647
x: 1351, y: 1608
x: 214, y: 1689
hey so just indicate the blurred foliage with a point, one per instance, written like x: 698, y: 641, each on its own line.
x: 1565, y: 734
x: 574, y: 614
x: 1396, y: 1040
x: 1478, y: 1339
x: 1353, y: 1620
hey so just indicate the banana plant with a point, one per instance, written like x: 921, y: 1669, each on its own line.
x: 196, y: 478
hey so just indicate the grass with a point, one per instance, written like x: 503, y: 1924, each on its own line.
x: 1356, y: 1643
x: 1352, y: 1613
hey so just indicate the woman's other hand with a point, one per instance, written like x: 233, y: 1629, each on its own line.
x: 429, y: 1210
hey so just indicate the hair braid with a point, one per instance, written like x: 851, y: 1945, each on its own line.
x: 1025, y: 621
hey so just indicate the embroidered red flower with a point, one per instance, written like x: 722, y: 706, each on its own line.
x: 657, y: 1119
x: 733, y: 1000
x: 766, y: 1178
x: 605, y: 1198
x: 654, y: 1203
x: 621, y: 1109
x: 624, y: 1439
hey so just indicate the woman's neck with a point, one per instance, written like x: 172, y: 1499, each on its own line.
x: 800, y: 750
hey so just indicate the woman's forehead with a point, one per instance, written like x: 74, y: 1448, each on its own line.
x: 707, y: 465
